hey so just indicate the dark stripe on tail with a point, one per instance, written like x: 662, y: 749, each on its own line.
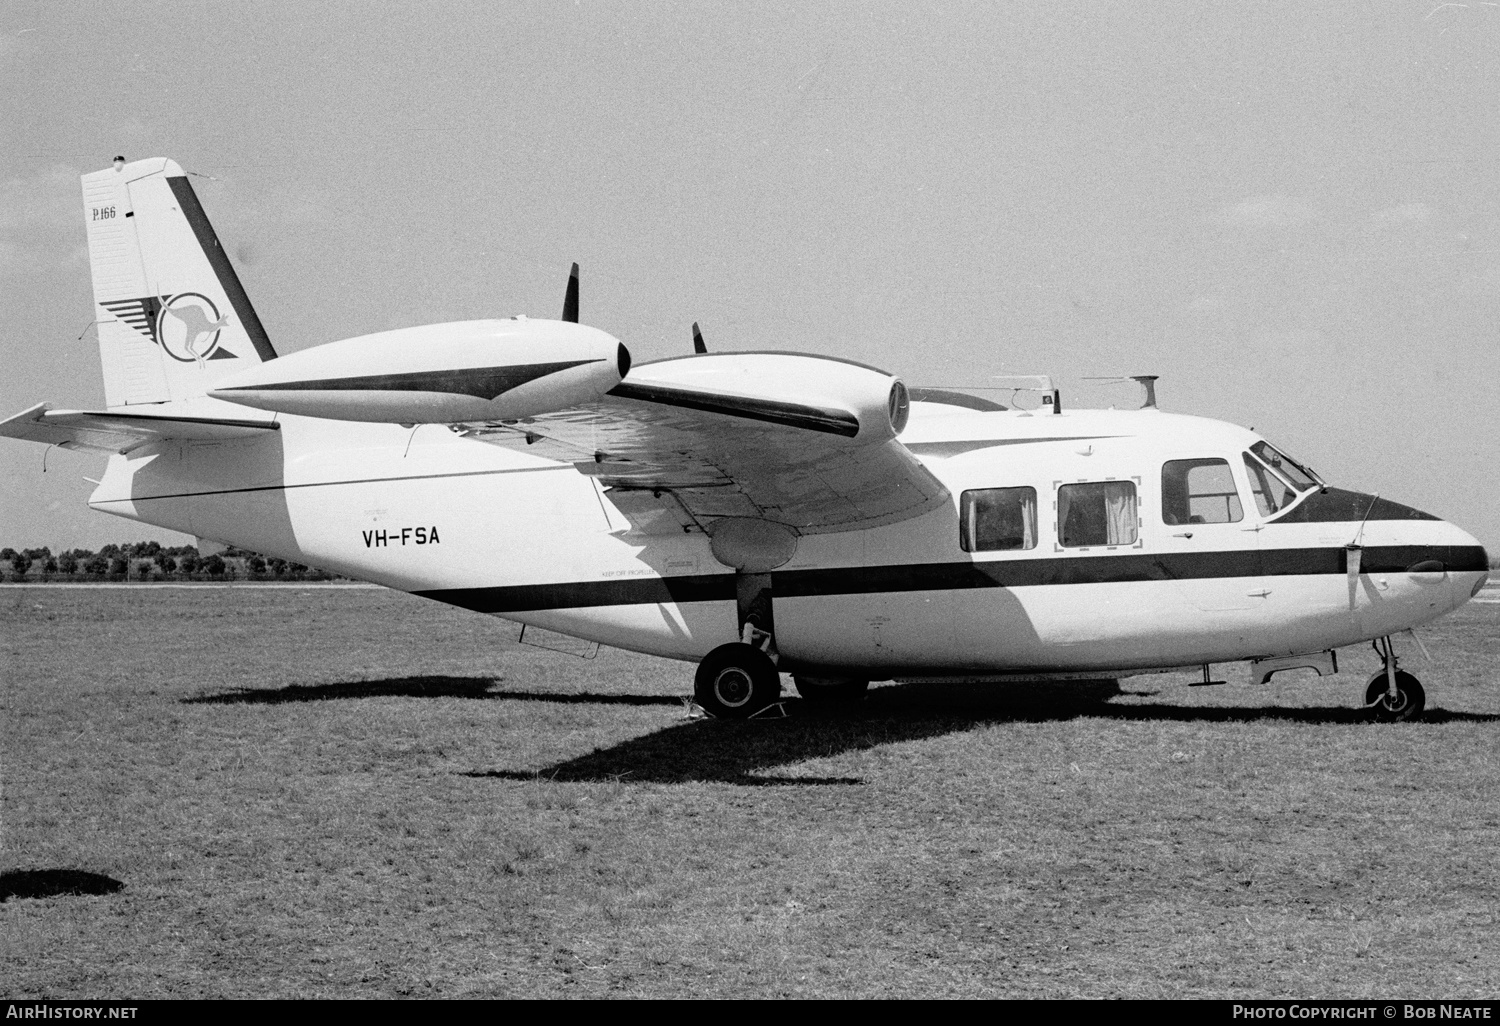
x: 219, y: 261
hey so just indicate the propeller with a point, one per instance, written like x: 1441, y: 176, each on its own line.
x: 570, y: 301
x: 698, y: 346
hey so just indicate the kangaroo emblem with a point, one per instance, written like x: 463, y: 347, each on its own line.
x: 197, y: 329
x: 192, y: 332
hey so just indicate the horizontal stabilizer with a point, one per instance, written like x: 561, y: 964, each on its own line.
x: 100, y: 431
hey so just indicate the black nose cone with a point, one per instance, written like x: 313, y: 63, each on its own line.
x: 1336, y: 505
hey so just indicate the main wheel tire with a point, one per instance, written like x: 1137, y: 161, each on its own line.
x: 1408, y: 704
x: 830, y: 690
x: 736, y: 681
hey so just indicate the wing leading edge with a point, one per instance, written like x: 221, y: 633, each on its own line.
x: 804, y: 441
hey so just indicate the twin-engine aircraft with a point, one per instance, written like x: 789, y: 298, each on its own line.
x: 757, y: 513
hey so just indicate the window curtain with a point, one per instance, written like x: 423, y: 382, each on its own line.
x: 1119, y: 510
x: 1028, y: 519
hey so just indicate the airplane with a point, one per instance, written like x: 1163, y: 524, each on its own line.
x: 756, y: 513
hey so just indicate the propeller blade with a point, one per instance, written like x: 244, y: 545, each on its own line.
x: 698, y: 346
x: 570, y: 301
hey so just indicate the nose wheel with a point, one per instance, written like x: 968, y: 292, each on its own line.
x: 1393, y: 695
x: 1406, y: 704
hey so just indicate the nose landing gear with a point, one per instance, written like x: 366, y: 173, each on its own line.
x: 1393, y: 694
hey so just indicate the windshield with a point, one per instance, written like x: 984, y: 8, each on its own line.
x: 1270, y: 491
x: 1294, y: 473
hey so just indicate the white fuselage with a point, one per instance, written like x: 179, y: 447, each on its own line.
x: 502, y: 531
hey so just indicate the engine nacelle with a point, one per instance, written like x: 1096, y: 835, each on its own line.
x: 820, y: 393
x: 439, y: 373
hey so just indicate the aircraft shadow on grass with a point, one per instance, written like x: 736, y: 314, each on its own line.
x: 416, y: 687
x: 54, y: 883
x: 739, y: 752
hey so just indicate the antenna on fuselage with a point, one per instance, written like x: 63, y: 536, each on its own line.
x: 698, y: 345
x: 1040, y: 384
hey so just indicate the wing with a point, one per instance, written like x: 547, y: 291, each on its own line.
x: 804, y: 441
x: 120, y: 432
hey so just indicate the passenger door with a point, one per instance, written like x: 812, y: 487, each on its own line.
x: 1209, y: 541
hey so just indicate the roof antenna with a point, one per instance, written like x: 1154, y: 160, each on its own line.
x: 698, y: 346
x: 119, y: 163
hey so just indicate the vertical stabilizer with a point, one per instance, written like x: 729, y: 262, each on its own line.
x: 173, y: 317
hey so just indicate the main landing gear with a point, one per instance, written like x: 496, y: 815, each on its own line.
x: 736, y: 681
x: 1393, y: 694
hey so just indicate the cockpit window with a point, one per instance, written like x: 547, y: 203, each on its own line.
x: 1199, y: 492
x: 1296, y: 475
x: 1270, y: 491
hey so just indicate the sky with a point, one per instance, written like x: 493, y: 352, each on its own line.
x: 1291, y: 212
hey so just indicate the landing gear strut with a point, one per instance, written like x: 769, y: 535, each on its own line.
x: 738, y: 680
x: 1393, y: 694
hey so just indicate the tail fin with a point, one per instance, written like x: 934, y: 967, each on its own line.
x: 173, y: 316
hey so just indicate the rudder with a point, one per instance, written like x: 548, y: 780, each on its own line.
x: 173, y: 317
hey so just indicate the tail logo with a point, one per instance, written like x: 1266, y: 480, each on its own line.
x: 187, y: 326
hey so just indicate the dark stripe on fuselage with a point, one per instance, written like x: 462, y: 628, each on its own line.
x: 481, y: 382
x: 586, y: 594
x: 208, y: 241
x: 833, y: 422
x: 965, y: 576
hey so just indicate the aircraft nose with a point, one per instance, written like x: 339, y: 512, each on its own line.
x: 1446, y: 547
x: 1453, y: 555
x: 1398, y: 537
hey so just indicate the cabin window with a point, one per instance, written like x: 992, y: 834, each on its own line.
x: 1096, y: 513
x: 1199, y: 492
x: 1271, y: 492
x: 996, y: 519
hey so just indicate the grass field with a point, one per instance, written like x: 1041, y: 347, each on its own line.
x: 304, y: 792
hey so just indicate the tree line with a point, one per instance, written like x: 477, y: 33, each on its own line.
x: 151, y: 561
